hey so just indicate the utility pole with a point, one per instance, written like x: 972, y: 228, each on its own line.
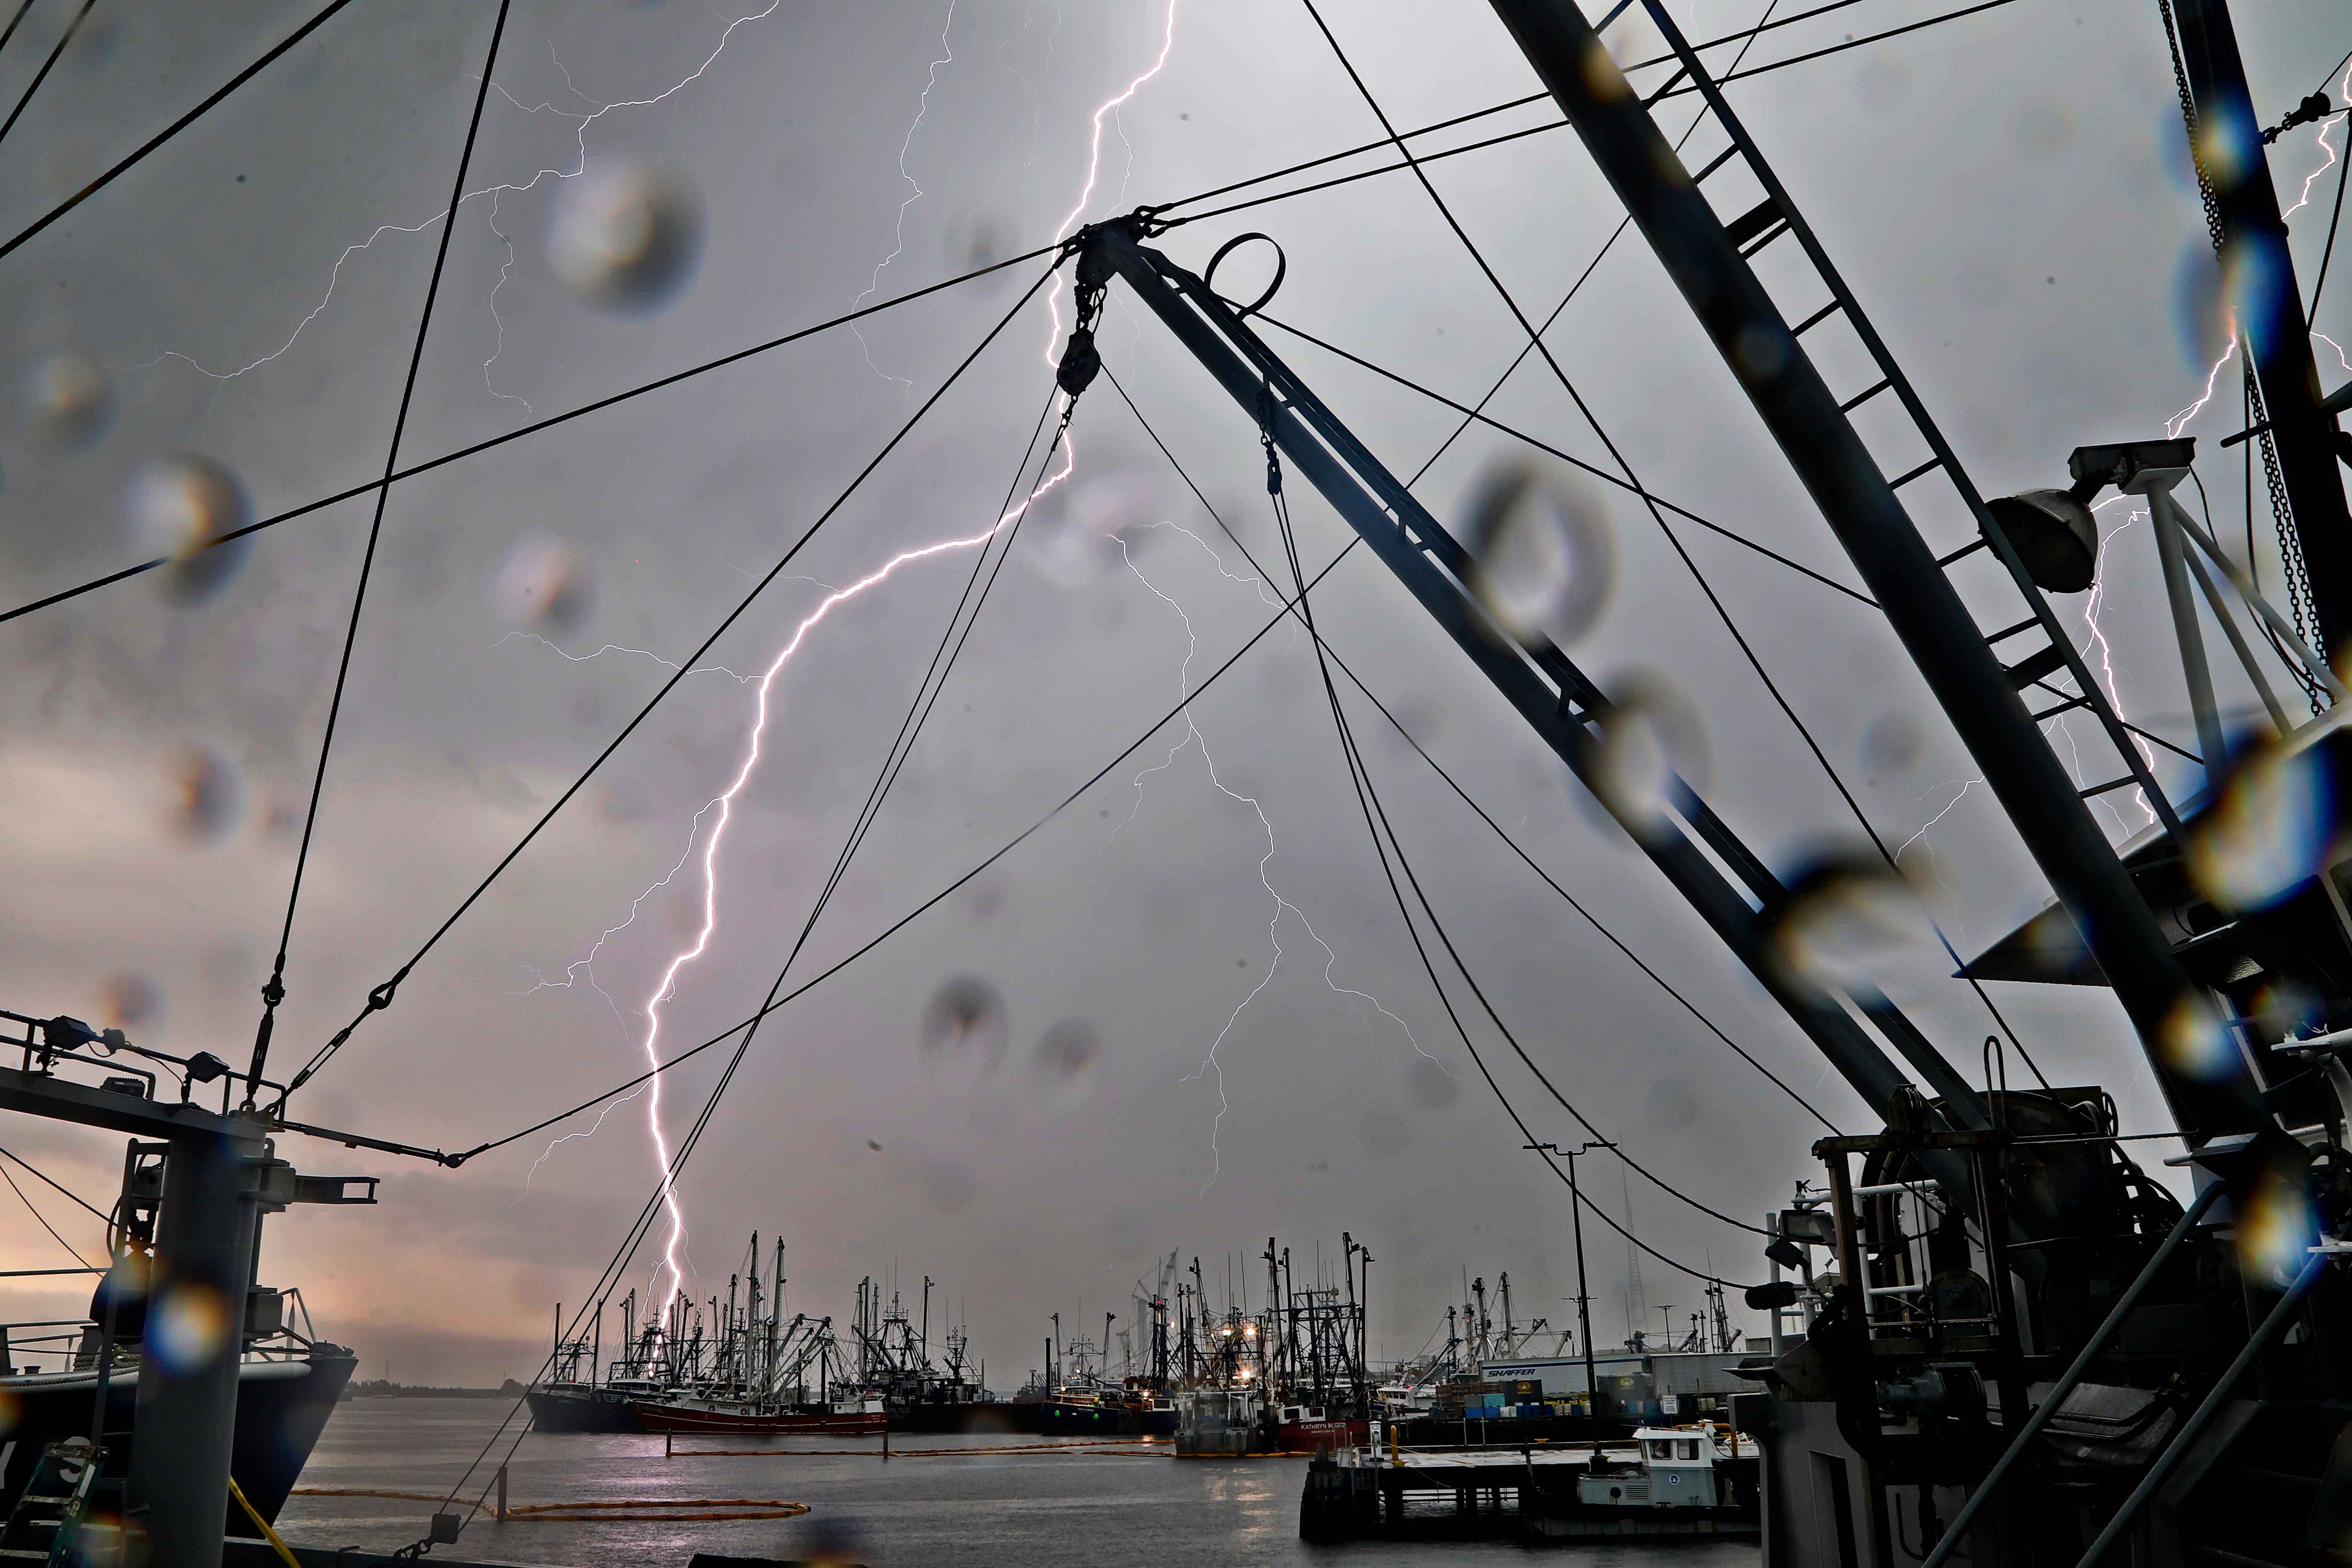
x: 1583, y: 1296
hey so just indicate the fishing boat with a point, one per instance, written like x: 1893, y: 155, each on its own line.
x: 858, y: 1416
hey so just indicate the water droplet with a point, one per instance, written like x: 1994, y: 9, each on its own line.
x: 70, y: 399
x: 948, y: 1186
x: 1671, y: 1102
x: 1543, y: 554
x: 2275, y: 1226
x: 1386, y: 1129
x: 202, y: 794
x: 544, y: 584
x: 963, y: 1032
x: 1070, y: 1061
x: 1433, y: 1085
x: 2272, y: 828
x: 191, y: 1328
x: 180, y: 507
x: 1648, y: 737
x: 1848, y: 920
x: 625, y: 237
x: 1892, y: 744
x: 130, y: 1002
x: 2193, y: 1039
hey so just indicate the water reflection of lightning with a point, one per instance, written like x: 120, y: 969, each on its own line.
x: 334, y: 276
x: 1193, y: 737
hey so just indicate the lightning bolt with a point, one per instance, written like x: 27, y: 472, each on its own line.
x: 719, y: 810
x: 1094, y: 164
x: 1210, y: 1066
x: 1935, y: 863
x: 2343, y: 92
x: 580, y: 166
x: 2091, y: 607
x: 2178, y: 421
x: 898, y: 240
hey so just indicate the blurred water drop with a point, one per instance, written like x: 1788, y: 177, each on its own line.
x: 1386, y: 1129
x: 1671, y: 1102
x: 2273, y: 827
x: 202, y: 794
x: 963, y: 1032
x: 625, y: 237
x: 1543, y: 555
x: 1648, y: 737
x: 948, y: 1187
x: 2275, y: 1227
x: 1847, y: 922
x: 2194, y: 1041
x: 1069, y: 1060
x: 180, y: 508
x: 130, y: 1002
x: 70, y: 398
x: 543, y: 584
x: 191, y: 1328
x: 1080, y: 532
x: 1433, y: 1085
x: 1892, y: 744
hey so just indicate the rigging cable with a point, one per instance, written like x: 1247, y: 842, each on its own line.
x: 918, y: 712
x: 928, y: 904
x: 274, y: 990
x: 691, y: 371
x: 43, y: 74
x: 1657, y: 516
x: 107, y: 178
x: 382, y: 996
x: 1499, y: 831
x: 102, y: 1216
x: 1367, y: 800
x: 36, y: 1214
x: 22, y: 7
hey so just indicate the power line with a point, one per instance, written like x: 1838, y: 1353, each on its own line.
x: 1439, y: 768
x: 107, y: 178
x: 910, y: 727
x: 1706, y: 588
x: 928, y: 904
x: 1631, y: 487
x: 274, y: 990
x: 43, y: 74
x: 382, y: 996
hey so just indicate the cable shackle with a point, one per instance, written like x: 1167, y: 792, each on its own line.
x: 1265, y: 411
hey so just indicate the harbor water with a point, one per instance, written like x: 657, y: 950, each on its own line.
x: 1009, y: 1502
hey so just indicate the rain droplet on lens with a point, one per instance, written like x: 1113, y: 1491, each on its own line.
x: 1386, y: 1129
x: 130, y: 1001
x: 948, y: 1186
x: 1647, y: 737
x: 180, y: 508
x: 70, y: 398
x: 963, y: 1031
x: 2273, y: 830
x: 544, y: 584
x: 1891, y: 745
x: 1847, y: 919
x: 202, y: 794
x: 1543, y: 556
x: 625, y: 237
x: 1433, y: 1085
x: 2276, y: 1228
x: 1070, y: 1061
x: 2193, y: 1039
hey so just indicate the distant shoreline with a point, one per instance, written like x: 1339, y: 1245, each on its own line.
x: 379, y: 1389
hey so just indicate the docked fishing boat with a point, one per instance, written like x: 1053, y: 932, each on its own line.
x: 858, y: 1416
x: 1313, y: 1429
x: 1222, y: 1424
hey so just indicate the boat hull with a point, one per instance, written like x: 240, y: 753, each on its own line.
x: 281, y: 1408
x: 573, y: 1409
x: 655, y: 1417
x: 1321, y: 1436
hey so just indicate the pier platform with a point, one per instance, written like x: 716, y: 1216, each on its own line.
x: 1532, y: 1494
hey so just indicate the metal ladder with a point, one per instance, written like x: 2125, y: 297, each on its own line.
x: 46, y: 1519
x: 2029, y: 661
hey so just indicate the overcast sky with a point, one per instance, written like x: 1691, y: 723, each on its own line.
x: 2007, y: 193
